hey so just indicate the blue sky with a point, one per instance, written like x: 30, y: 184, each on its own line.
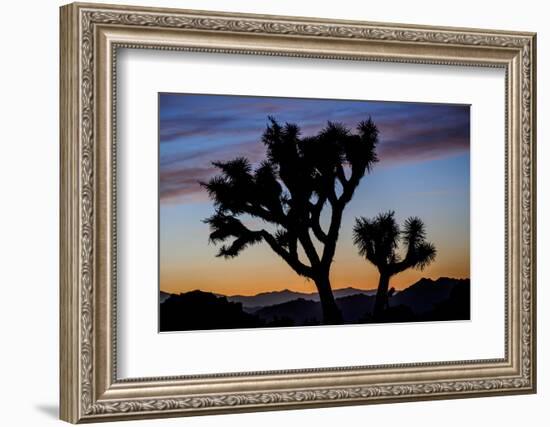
x: 423, y: 171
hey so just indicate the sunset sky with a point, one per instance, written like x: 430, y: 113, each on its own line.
x: 424, y: 170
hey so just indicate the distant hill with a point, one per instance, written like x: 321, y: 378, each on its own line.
x: 456, y: 307
x: 297, y: 312
x: 164, y: 296
x: 425, y: 300
x: 355, y: 308
x: 279, y: 297
x: 306, y: 312
x: 197, y: 310
x: 424, y: 295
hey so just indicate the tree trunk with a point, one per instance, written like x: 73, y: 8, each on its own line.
x: 331, y: 312
x: 381, y: 300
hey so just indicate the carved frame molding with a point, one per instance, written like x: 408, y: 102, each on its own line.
x: 90, y: 37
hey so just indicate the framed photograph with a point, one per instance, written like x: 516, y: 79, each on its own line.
x: 266, y: 212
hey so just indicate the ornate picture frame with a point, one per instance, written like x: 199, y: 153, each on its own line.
x: 90, y: 37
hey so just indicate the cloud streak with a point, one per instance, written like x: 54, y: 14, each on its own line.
x: 181, y: 173
x: 198, y: 129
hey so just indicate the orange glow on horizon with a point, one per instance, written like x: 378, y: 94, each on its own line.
x: 361, y: 275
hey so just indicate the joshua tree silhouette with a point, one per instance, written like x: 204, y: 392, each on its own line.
x: 289, y: 191
x: 378, y: 241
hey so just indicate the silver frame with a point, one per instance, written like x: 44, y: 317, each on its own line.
x: 90, y: 37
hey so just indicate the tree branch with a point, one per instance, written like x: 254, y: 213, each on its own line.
x: 332, y: 235
x: 315, y: 218
x: 332, y: 197
x: 351, y: 184
x: 263, y: 213
x: 290, y: 258
x: 398, y: 267
x: 309, y: 248
x: 340, y: 174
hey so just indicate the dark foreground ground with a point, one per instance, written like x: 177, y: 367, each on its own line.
x: 426, y: 300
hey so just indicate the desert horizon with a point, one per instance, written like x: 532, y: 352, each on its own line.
x: 441, y: 299
x: 305, y: 291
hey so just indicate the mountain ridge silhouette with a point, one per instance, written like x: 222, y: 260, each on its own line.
x: 427, y: 299
x: 277, y: 297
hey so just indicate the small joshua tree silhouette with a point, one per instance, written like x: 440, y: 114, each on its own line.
x: 378, y: 241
